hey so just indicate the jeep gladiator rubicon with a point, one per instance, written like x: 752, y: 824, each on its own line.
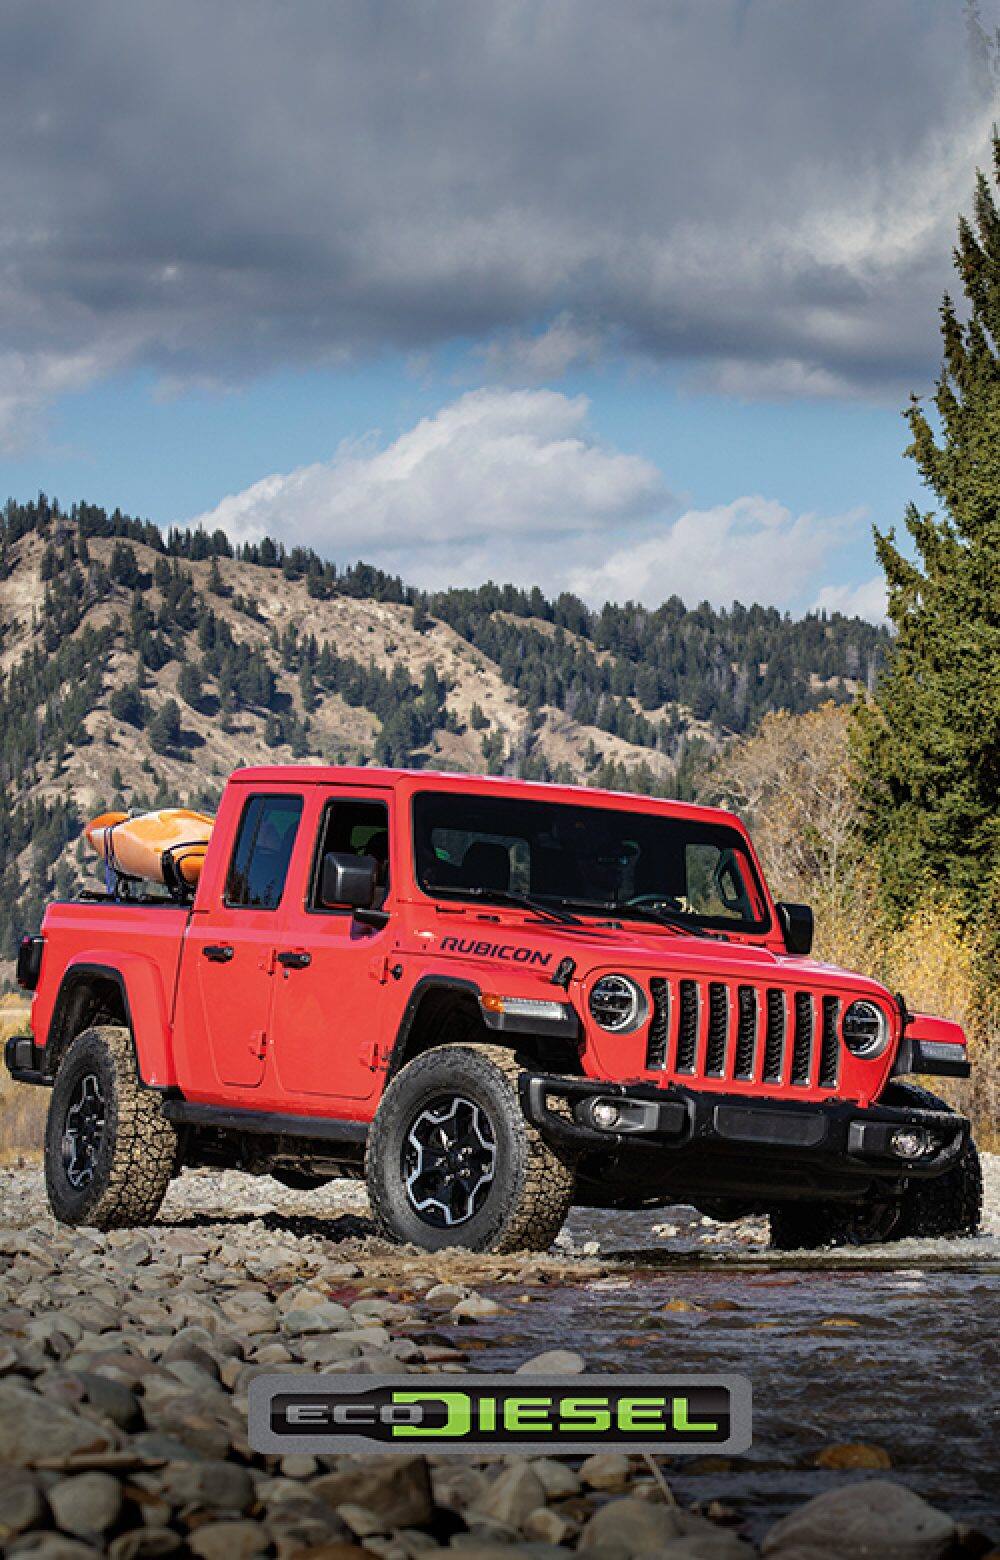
x: 494, y: 1000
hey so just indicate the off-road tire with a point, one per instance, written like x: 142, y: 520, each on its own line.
x: 947, y: 1205
x: 532, y: 1188
x: 136, y: 1152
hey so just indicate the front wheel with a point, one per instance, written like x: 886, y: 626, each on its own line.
x: 452, y: 1161
x: 109, y: 1151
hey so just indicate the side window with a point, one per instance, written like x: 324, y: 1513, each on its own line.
x: 263, y: 851
x: 353, y: 828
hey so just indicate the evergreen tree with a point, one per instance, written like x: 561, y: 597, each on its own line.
x: 929, y: 745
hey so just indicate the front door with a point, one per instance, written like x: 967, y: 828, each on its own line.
x: 230, y: 948
x: 327, y: 1017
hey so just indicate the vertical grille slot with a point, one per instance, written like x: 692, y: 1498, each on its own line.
x: 659, y: 1028
x: 718, y: 1030
x: 803, y: 1038
x: 746, y: 1032
x: 687, y: 1027
x: 829, y: 1056
x: 774, y: 1044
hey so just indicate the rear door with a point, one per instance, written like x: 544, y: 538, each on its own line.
x: 231, y: 944
x: 328, y: 1018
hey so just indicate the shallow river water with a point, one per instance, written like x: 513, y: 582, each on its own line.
x: 897, y: 1347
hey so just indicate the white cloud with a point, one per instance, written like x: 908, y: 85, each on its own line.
x: 513, y: 485
x: 750, y: 550
x: 491, y: 466
x: 29, y: 381
x: 867, y: 600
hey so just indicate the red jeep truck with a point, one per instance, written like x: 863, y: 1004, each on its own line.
x: 494, y: 1000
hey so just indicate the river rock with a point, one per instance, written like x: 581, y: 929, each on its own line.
x: 874, y: 1517
x: 51, y: 1546
x: 328, y: 1316
x: 229, y: 1540
x: 606, y: 1471
x: 86, y: 1505
x: 551, y: 1527
x: 554, y: 1362
x: 511, y: 1497
x: 145, y: 1543
x: 21, y: 1505
x: 634, y: 1527
x: 209, y: 1482
x: 476, y: 1308
x: 398, y: 1488
x: 853, y: 1454
x: 558, y: 1478
x: 32, y: 1427
x: 443, y: 1297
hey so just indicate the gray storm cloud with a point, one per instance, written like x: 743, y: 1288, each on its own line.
x: 763, y: 191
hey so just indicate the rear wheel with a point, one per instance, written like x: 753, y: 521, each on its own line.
x: 947, y: 1205
x: 109, y: 1152
x: 452, y: 1161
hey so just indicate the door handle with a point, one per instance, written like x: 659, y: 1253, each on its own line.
x: 217, y: 953
x: 294, y: 960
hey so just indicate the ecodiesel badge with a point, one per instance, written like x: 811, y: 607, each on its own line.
x: 647, y: 1413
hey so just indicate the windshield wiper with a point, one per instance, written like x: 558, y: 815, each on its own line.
x: 679, y: 922
x: 503, y: 896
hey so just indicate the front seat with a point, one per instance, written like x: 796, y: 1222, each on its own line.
x: 486, y: 865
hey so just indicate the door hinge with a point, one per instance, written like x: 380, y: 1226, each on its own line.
x: 258, y: 1044
x: 378, y: 969
x: 266, y: 961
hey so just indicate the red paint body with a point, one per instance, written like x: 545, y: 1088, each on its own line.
x: 317, y: 1040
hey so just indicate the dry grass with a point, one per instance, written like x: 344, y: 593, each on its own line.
x: 22, y: 1107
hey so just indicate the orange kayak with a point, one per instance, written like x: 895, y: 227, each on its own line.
x: 163, y: 847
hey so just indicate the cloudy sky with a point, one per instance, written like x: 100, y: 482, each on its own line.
x: 623, y: 296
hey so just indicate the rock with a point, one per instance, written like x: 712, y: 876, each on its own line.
x: 361, y: 1520
x: 853, y: 1454
x: 21, y: 1505
x: 299, y: 1465
x: 397, y: 1487
x: 510, y: 1498
x: 86, y: 1505
x: 51, y: 1546
x: 558, y: 1478
x: 442, y: 1297
x: 32, y: 1427
x: 634, y: 1527
x: 328, y: 1316
x: 457, y: 1485
x: 476, y: 1308
x: 551, y: 1527
x: 606, y: 1471
x: 250, y: 1311
x: 144, y: 1544
x: 301, y: 1297
x: 681, y: 1305
x: 714, y: 1545
x: 210, y: 1482
x: 874, y: 1517
x: 229, y: 1540
x: 110, y: 1398
x: 554, y: 1362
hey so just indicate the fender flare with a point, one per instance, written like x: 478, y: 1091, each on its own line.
x: 426, y: 983
x: 141, y: 987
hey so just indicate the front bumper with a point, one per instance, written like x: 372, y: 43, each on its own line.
x: 684, y: 1124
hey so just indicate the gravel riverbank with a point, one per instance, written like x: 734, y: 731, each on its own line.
x: 125, y: 1361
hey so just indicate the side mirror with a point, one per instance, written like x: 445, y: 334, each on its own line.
x: 348, y: 880
x: 796, y: 923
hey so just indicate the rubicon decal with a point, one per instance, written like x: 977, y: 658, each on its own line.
x: 654, y: 1413
x: 487, y: 950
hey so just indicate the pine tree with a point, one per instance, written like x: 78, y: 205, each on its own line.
x: 929, y: 745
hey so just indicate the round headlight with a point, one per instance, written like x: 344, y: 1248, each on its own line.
x: 866, y: 1029
x: 618, y: 1004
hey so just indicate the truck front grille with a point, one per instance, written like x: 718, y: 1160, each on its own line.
x: 744, y: 1034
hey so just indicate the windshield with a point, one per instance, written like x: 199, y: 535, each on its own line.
x: 587, y: 859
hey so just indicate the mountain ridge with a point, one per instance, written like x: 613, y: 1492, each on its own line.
x: 138, y: 668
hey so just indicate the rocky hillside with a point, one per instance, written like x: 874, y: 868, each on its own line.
x: 136, y: 669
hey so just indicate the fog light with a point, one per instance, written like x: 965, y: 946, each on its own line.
x: 911, y: 1142
x: 605, y: 1114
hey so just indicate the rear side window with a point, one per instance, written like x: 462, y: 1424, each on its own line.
x: 263, y: 851
x: 355, y: 828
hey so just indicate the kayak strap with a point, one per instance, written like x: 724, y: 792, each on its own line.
x: 171, y: 861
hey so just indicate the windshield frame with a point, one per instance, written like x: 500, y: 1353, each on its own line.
x: 589, y: 914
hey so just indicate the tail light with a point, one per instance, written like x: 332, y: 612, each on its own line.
x: 29, y: 962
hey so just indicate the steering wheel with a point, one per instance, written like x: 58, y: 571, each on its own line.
x: 665, y: 901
